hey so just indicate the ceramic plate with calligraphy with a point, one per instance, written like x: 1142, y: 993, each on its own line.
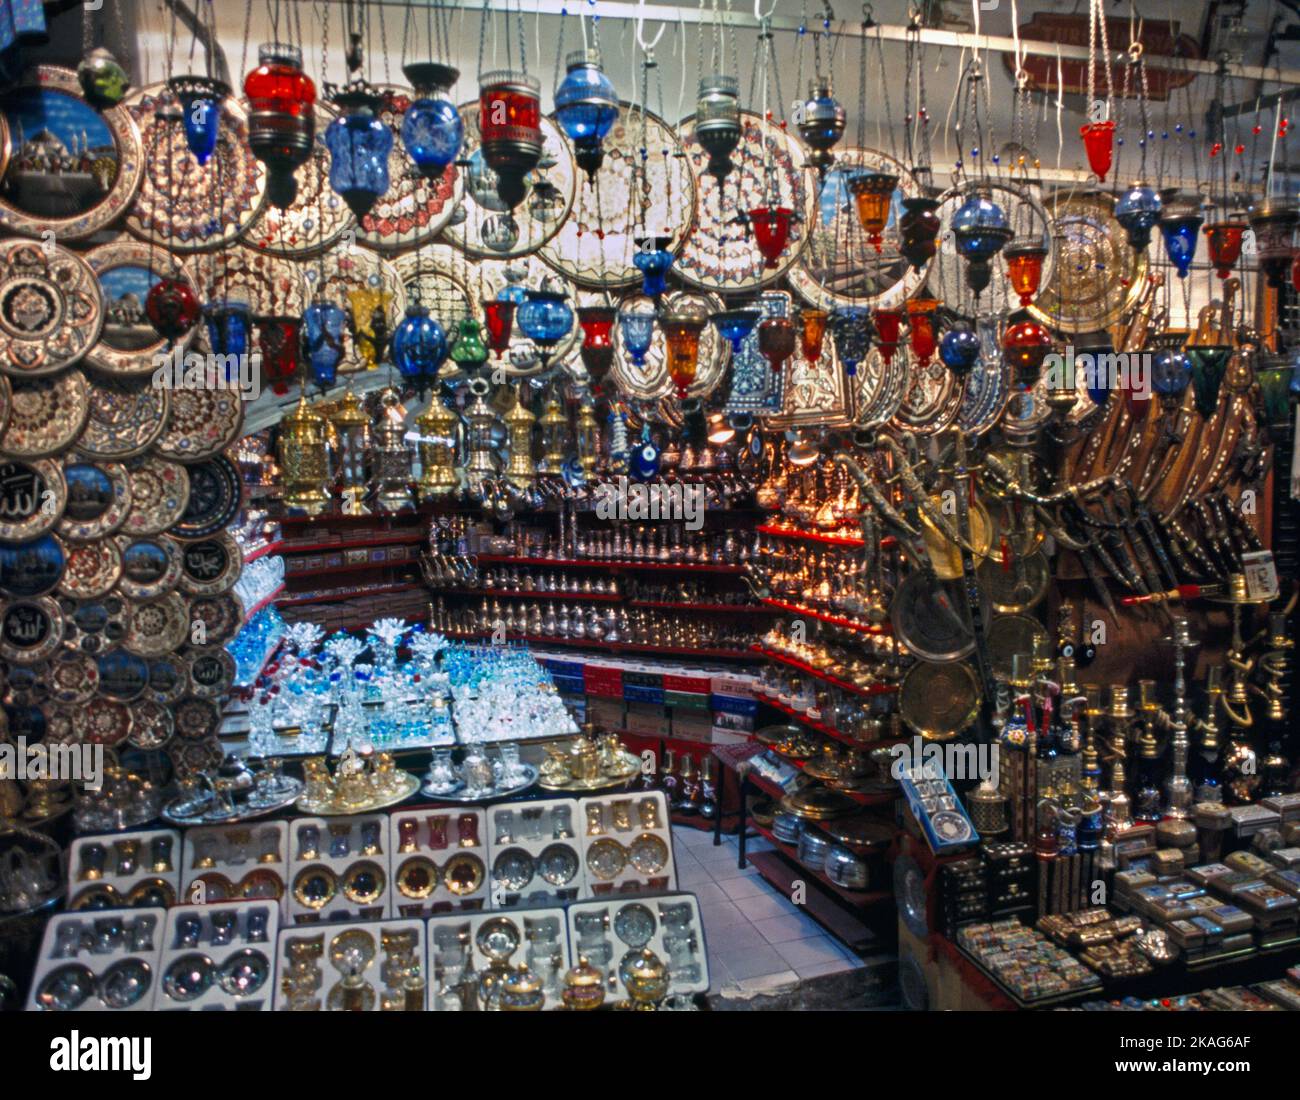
x: 1098, y: 277
x: 839, y: 267
x: 357, y: 282
x: 160, y: 491
x: 127, y: 270
x: 48, y: 415
x: 650, y: 382
x: 182, y: 205
x: 212, y: 672
x: 595, y: 243
x: 221, y: 616
x: 316, y: 218
x: 211, y: 566
x: 271, y: 286
x: 201, y: 423
x: 107, y: 722
x: 150, y: 566
x: 33, y: 495
x: 98, y: 500
x: 126, y: 417
x: 92, y: 569
x: 73, y: 677
x: 33, y: 568
x: 196, y: 719
x: 51, y: 309
x: 151, y: 725
x: 71, y: 169
x: 30, y: 630
x: 490, y: 228
x: 216, y: 495
x: 415, y: 208
x: 1027, y: 218
x: 932, y: 400
x: 719, y: 253
x: 881, y: 387
x: 158, y: 626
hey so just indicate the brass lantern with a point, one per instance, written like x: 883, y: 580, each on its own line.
x: 555, y: 430
x: 437, y: 447
x: 519, y: 421
x: 586, y: 432
x: 352, y: 442
x: 390, y: 458
x: 304, y: 460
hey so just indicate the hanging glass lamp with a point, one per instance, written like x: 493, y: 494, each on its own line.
x: 821, y: 124
x: 873, y: 197
x: 172, y: 307
x: 1138, y: 211
x: 432, y: 129
x: 771, y: 226
x: 637, y: 327
x: 1209, y: 363
x: 281, y: 117
x: 499, y: 318
x: 586, y: 107
x: 1180, y: 226
x: 1026, y: 344
x: 1274, y: 222
x: 229, y: 324
x: 419, y: 347
x: 200, y: 100
x: 981, y: 232
x: 918, y: 231
x: 653, y: 260
x: 468, y: 350
x: 959, y: 349
x: 921, y: 328
x: 510, y: 127
x: 812, y: 330
x: 681, y: 328
x: 323, y: 327
x: 735, y: 325
x: 546, y: 319
x: 1099, y: 145
x: 850, y: 332
x: 717, y: 122
x: 776, y: 341
x: 1223, y: 241
x: 359, y: 144
x: 597, y: 340
x: 889, y: 324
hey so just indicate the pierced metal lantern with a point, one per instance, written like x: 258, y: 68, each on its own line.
x: 717, y: 122
x: 390, y: 457
x: 351, y: 453
x: 281, y: 117
x: 432, y: 129
x: 1274, y: 222
x: 586, y: 107
x: 304, y: 460
x: 510, y: 127
x: 437, y: 447
x: 821, y: 124
x: 520, y: 471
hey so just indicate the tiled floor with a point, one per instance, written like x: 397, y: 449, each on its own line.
x: 758, y: 940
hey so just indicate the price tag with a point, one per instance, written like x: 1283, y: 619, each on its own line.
x: 1261, y: 575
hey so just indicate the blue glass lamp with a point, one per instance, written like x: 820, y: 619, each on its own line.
x: 981, y: 232
x: 734, y: 325
x: 200, y: 98
x: 638, y: 328
x: 959, y: 349
x: 1138, y: 211
x: 229, y: 324
x: 432, y: 129
x: 1179, y: 227
x: 653, y: 260
x: 323, y: 326
x: 545, y: 318
x: 586, y: 108
x: 851, y: 335
x: 1171, y: 374
x: 419, y: 347
x: 359, y: 144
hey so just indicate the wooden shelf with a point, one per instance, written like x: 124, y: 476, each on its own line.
x: 826, y: 617
x: 825, y: 677
x: 528, y: 594
x: 819, y: 726
x: 610, y: 565
x: 351, y: 568
x: 347, y: 594
x: 714, y: 608
x: 860, y: 898
x: 846, y: 926
x: 616, y: 647
x: 261, y: 551
x: 390, y: 539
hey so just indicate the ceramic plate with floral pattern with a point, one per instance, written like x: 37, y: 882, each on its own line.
x: 160, y: 490
x: 51, y: 309
x: 48, y: 415
x: 151, y: 725
x: 126, y: 417
x: 158, y: 626
x: 92, y: 569
x: 201, y: 423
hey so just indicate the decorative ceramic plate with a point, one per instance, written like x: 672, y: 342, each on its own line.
x: 216, y: 495
x: 150, y: 566
x: 168, y: 678
x: 157, y: 626
x: 316, y: 218
x: 122, y: 676
x: 595, y: 245
x: 99, y: 498
x: 1027, y: 218
x: 126, y: 417
x: 221, y: 616
x: 1098, y: 278
x: 6, y: 403
x: 719, y: 253
x: 184, y: 206
x: 48, y: 415
x: 93, y: 568
x: 33, y: 495
x: 210, y: 567
x: 489, y: 228
x: 107, y: 722
x: 200, y: 424
x: 127, y: 270
x: 196, y: 719
x: 269, y: 285
x: 354, y: 280
x: 414, y: 209
x: 159, y: 492
x: 151, y: 725
x: 932, y: 400
x: 839, y: 267
x: 442, y: 279
x: 71, y: 169
x: 193, y: 758
x: 880, y: 387
x: 73, y: 677
x: 212, y: 673
x: 30, y: 630
x: 94, y: 626
x: 60, y: 725
x: 51, y: 309
x: 650, y: 381
x: 29, y: 569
